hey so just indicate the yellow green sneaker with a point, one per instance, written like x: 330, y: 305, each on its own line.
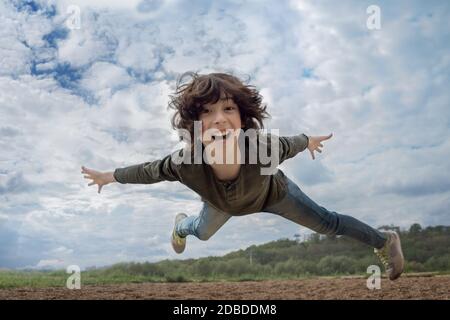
x: 391, y: 255
x: 178, y: 243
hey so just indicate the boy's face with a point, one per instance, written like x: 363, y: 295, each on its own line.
x: 221, y: 118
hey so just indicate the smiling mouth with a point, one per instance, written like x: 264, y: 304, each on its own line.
x: 222, y: 137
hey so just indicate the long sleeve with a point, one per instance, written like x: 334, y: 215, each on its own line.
x: 148, y: 172
x: 291, y: 146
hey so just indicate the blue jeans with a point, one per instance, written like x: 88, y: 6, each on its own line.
x: 295, y: 206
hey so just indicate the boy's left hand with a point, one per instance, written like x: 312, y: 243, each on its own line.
x: 315, y: 143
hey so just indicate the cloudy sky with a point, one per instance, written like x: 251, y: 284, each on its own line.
x: 93, y: 91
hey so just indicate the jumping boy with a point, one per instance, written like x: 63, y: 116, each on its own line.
x: 221, y: 119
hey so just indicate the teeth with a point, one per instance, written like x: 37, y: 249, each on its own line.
x: 223, y: 136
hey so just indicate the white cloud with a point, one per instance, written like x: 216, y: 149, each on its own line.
x: 103, y: 77
x: 51, y: 264
x: 139, y: 56
x: 85, y: 45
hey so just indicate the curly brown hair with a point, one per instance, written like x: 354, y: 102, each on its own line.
x: 190, y: 97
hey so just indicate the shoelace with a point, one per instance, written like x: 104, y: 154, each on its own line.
x: 178, y: 239
x: 383, y: 256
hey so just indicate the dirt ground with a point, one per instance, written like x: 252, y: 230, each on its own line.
x: 411, y: 287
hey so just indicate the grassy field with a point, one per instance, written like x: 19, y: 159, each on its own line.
x: 51, y: 286
x: 45, y: 279
x: 41, y: 279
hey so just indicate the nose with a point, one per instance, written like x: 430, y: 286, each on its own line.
x: 219, y: 118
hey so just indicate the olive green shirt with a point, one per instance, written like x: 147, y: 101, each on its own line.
x: 250, y: 192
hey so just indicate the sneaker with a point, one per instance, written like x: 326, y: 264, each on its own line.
x: 178, y: 243
x: 391, y: 255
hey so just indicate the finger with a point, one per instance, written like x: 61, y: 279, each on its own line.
x: 92, y: 183
x: 326, y: 137
x: 99, y: 189
x: 320, y: 145
x: 87, y: 177
x: 318, y: 150
x: 312, y: 154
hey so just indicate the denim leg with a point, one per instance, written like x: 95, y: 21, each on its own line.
x: 204, y: 225
x: 299, y: 208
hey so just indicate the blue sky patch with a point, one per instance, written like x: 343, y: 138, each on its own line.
x: 34, y: 7
x: 53, y: 37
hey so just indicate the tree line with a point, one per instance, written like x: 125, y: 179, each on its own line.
x: 425, y: 250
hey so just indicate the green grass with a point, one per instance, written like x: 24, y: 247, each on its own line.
x: 44, y: 279
x: 41, y: 279
x: 18, y: 279
x: 15, y: 279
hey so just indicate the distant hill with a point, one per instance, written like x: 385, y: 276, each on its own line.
x: 425, y: 250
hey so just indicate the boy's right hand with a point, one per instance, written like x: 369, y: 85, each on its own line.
x: 100, y: 178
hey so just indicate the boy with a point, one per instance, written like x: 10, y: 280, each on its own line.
x: 221, y: 118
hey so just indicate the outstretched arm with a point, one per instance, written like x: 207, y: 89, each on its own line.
x: 143, y: 173
x: 316, y: 142
x: 149, y: 172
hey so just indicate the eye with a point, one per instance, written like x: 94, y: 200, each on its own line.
x: 205, y: 111
x: 230, y: 108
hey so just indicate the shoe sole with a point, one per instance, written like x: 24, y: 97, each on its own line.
x: 400, y: 252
